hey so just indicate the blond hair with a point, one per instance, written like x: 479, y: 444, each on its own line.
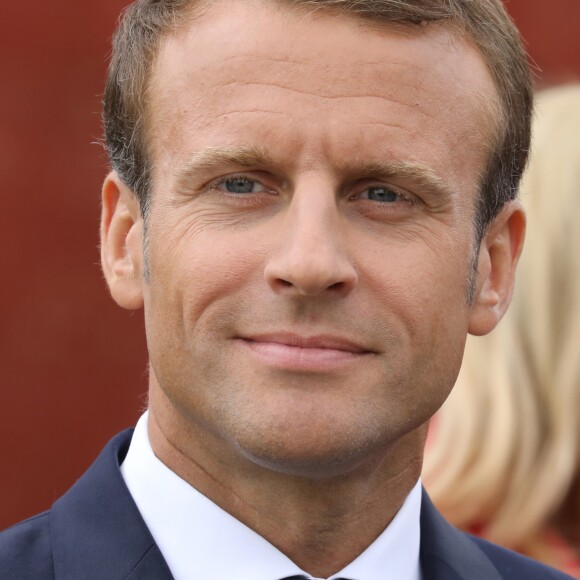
x: 505, y: 449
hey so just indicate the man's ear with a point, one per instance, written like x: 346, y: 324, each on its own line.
x: 122, y: 243
x: 499, y: 253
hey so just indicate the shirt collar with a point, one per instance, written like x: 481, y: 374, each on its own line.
x: 198, y: 539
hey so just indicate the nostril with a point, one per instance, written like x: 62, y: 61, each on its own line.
x: 308, y: 273
x: 336, y: 286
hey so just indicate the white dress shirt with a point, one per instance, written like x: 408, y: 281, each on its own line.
x: 201, y: 541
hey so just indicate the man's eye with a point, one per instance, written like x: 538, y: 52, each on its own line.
x: 240, y: 185
x: 383, y: 194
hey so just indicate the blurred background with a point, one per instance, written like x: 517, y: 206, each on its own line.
x: 73, y: 364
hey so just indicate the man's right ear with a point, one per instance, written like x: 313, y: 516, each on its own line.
x: 122, y: 243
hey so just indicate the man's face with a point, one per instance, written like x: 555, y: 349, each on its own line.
x: 310, y: 235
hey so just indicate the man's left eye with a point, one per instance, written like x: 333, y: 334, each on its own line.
x: 240, y: 185
x: 383, y: 194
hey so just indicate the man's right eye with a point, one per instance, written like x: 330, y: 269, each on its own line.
x: 240, y: 185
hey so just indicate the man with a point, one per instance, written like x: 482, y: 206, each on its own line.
x: 314, y: 203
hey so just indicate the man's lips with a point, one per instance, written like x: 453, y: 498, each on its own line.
x: 306, y: 353
x: 320, y: 341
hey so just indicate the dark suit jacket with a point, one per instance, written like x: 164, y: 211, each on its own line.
x: 95, y: 532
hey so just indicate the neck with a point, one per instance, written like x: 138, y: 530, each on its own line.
x: 322, y: 523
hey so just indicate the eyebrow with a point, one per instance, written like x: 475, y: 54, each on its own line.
x: 419, y: 174
x: 215, y: 157
x: 211, y: 158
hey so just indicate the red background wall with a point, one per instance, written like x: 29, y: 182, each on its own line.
x: 72, y: 364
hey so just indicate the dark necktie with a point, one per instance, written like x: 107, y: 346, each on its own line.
x: 300, y: 577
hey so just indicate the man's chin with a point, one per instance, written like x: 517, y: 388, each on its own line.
x: 300, y: 453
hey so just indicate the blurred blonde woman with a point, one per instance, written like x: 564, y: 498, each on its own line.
x: 503, y: 460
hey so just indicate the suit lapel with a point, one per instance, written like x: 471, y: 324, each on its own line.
x: 97, y: 530
x: 447, y: 553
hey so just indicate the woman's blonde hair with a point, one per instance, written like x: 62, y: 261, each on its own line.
x: 505, y: 448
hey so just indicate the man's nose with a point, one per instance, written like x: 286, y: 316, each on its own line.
x: 310, y: 257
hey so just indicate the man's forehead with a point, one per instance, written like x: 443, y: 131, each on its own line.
x: 222, y: 53
x: 317, y: 37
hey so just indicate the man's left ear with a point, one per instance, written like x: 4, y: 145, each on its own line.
x: 499, y: 253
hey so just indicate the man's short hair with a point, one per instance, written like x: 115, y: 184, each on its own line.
x: 486, y: 22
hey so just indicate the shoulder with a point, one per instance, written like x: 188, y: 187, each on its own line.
x: 66, y: 535
x: 447, y: 552
x: 514, y: 565
x: 25, y: 550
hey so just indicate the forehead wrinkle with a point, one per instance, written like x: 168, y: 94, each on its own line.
x: 308, y: 59
x: 221, y: 116
x: 269, y: 72
x: 302, y: 91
